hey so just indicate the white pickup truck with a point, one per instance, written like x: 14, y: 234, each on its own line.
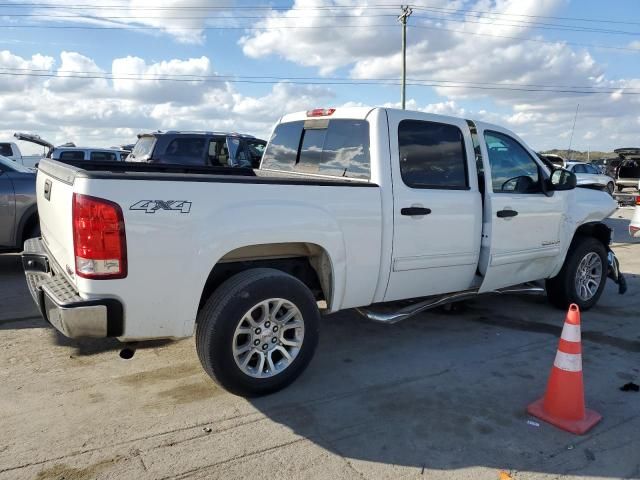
x: 350, y: 208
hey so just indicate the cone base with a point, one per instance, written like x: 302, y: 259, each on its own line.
x: 579, y: 427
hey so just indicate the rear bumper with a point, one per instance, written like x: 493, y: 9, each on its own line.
x: 61, y: 305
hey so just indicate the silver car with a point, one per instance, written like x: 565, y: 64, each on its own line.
x: 589, y: 175
x: 18, y: 210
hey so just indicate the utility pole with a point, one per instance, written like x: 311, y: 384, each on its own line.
x: 406, y: 13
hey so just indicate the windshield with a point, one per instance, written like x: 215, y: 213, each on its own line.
x: 143, y: 148
x: 13, y: 165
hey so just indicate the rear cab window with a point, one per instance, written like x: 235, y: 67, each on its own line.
x: 72, y: 155
x: 335, y: 148
x: 103, y: 156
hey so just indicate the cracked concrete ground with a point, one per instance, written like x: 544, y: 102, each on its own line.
x: 437, y: 396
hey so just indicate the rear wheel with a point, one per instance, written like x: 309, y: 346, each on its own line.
x: 582, y: 277
x: 257, y: 332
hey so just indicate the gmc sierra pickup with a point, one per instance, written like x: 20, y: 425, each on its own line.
x: 350, y: 208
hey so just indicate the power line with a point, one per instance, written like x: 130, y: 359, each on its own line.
x: 527, y: 39
x: 199, y: 17
x: 214, y: 79
x: 543, y: 26
x: 304, y: 27
x: 195, y: 77
x: 487, y: 12
x: 254, y: 27
x: 306, y: 8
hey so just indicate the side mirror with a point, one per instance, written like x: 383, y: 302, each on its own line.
x: 562, y: 179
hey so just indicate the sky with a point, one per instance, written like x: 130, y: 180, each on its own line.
x: 98, y: 72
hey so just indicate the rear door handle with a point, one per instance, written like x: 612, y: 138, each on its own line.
x: 507, y: 213
x: 413, y: 211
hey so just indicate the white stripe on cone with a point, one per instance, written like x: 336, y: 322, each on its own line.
x: 571, y: 333
x: 569, y: 362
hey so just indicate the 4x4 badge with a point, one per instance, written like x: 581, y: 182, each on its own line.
x: 151, y: 206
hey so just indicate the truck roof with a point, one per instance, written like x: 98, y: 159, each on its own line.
x: 195, y: 132
x: 102, y: 149
x: 360, y: 113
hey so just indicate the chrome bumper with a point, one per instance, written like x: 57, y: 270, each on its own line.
x: 61, y: 305
x: 615, y: 274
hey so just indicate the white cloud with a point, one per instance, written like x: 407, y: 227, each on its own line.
x: 472, y: 55
x: 111, y: 112
x: 182, y: 19
x: 134, y: 78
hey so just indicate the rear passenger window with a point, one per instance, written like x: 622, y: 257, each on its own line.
x: 72, y: 155
x: 337, y: 148
x: 103, y: 156
x: 432, y: 155
x: 186, y: 147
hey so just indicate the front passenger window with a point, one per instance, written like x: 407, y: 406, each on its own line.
x: 512, y: 168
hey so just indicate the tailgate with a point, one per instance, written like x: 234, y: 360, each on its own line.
x: 629, y: 171
x: 54, y: 191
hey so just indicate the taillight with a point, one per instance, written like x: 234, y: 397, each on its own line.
x: 99, y: 241
x: 638, y: 200
x: 320, y: 112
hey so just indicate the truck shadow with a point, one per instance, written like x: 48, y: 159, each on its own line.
x: 446, y: 392
x: 94, y: 346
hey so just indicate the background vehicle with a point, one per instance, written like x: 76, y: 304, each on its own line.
x: 628, y: 171
x: 634, y: 225
x: 87, y: 153
x: 12, y: 151
x: 199, y: 148
x: 353, y: 207
x: 18, y: 212
x: 588, y: 175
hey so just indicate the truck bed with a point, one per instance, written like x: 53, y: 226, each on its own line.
x: 69, y: 170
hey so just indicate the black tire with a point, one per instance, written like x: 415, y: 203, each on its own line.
x: 610, y: 188
x: 562, y: 290
x: 223, y: 312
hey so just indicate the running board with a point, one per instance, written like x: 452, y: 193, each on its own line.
x: 383, y: 314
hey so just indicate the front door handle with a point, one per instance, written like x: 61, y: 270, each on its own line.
x: 413, y: 211
x: 507, y: 213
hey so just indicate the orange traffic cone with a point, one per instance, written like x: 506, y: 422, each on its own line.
x: 563, y: 402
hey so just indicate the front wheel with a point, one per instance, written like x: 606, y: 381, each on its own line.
x: 257, y: 332
x: 582, y: 277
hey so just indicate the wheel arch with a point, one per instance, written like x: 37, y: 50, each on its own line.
x: 597, y: 230
x: 308, y: 262
x: 27, y: 220
x: 593, y: 229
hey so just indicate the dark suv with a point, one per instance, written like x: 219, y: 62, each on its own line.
x: 198, y: 148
